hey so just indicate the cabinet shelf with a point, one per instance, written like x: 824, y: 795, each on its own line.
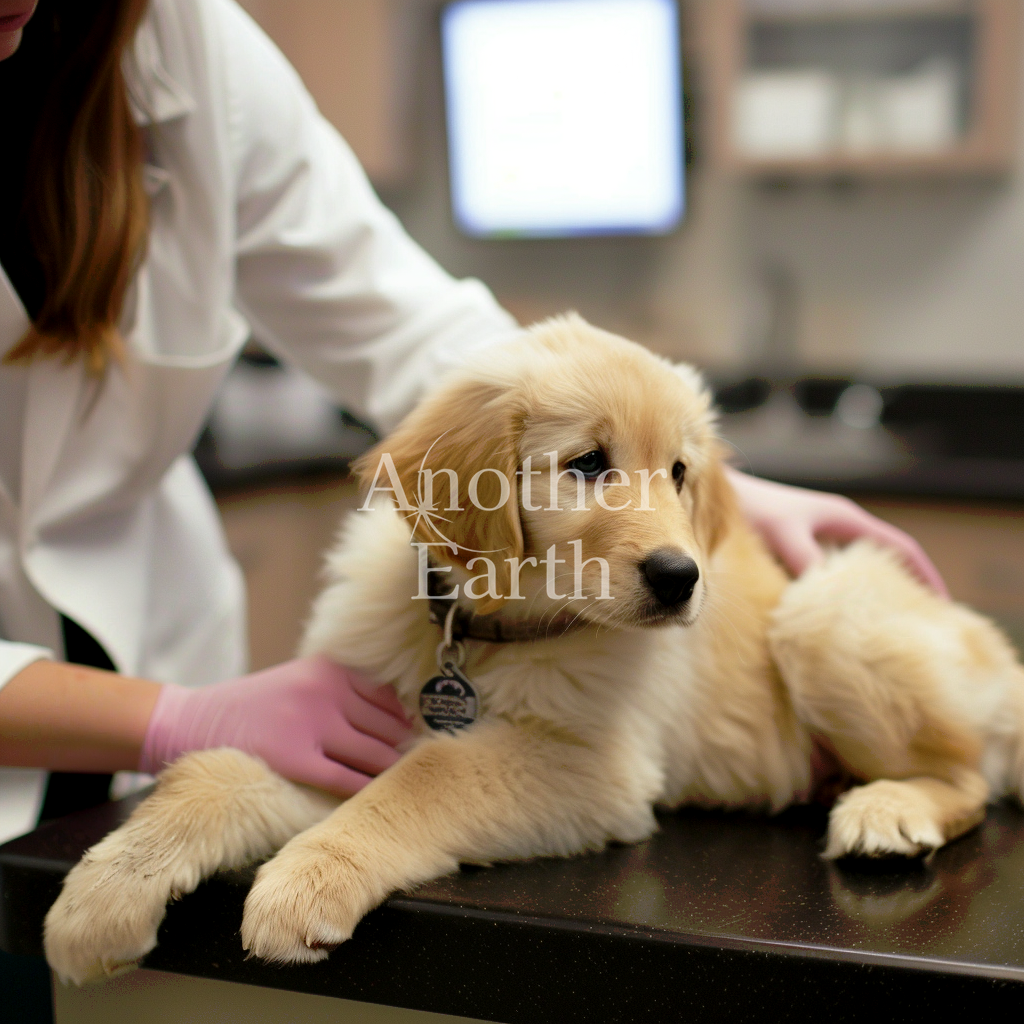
x: 866, y: 90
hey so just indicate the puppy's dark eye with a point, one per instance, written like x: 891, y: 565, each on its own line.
x: 591, y: 465
x: 678, y: 472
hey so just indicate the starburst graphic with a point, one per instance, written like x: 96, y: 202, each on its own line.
x: 428, y: 514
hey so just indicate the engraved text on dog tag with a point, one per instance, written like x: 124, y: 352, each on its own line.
x: 448, y: 702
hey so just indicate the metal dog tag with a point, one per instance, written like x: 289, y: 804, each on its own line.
x: 448, y: 702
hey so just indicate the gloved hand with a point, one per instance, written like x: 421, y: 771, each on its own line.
x: 794, y: 523
x: 311, y: 720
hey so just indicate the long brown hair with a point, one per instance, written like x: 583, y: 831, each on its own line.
x: 85, y: 206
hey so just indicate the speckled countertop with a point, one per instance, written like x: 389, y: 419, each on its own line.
x: 718, y: 917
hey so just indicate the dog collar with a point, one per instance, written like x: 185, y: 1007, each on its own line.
x: 467, y: 625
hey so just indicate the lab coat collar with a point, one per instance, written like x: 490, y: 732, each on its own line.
x: 153, y: 93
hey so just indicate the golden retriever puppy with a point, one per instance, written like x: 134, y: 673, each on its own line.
x: 553, y: 573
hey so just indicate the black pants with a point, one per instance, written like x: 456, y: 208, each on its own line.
x: 25, y: 980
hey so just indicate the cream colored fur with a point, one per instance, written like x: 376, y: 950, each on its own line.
x: 581, y: 735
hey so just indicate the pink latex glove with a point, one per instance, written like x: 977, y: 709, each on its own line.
x: 310, y: 720
x: 793, y: 522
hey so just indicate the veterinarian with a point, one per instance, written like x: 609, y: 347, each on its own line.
x: 167, y: 186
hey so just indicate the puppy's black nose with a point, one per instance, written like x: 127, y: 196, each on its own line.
x: 671, y: 575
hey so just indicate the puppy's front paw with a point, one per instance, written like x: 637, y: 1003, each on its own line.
x: 306, y: 901
x: 883, y: 819
x: 104, y: 921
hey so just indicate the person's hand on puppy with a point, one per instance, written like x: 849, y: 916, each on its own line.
x: 794, y: 523
x: 310, y: 720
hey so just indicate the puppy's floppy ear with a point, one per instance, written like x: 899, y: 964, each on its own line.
x: 714, y: 502
x: 457, y: 456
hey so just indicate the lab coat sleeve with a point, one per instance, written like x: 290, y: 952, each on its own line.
x: 14, y: 657
x: 326, y: 275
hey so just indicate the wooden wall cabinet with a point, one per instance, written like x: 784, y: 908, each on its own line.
x: 862, y: 83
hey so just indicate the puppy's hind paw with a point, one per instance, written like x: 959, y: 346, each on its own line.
x: 883, y: 819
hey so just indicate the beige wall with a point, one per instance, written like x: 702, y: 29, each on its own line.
x: 348, y: 54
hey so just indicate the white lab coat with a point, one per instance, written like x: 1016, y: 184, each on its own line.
x: 260, y: 218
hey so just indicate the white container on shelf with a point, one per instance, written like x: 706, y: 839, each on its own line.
x: 786, y: 113
x: 919, y: 110
x: 911, y: 113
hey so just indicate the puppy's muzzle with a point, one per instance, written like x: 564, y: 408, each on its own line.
x: 671, y: 576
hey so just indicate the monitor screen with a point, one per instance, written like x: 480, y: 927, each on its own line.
x: 564, y: 116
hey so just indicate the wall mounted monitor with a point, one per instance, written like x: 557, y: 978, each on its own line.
x: 564, y: 117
